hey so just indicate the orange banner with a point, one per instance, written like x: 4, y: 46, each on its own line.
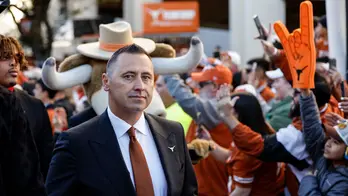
x: 171, y: 17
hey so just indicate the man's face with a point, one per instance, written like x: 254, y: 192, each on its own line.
x: 321, y: 31
x: 9, y: 69
x: 208, y: 91
x: 162, y: 88
x: 282, y: 87
x: 320, y: 67
x: 131, y: 82
x: 334, y: 150
x: 260, y: 74
x: 39, y: 93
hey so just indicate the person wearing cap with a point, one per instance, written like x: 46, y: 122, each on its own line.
x: 278, y: 116
x: 212, y: 175
x: 232, y: 60
x: 329, y: 151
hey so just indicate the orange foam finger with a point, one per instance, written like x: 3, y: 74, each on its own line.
x: 281, y: 31
x: 297, y: 37
x: 283, y: 34
x: 306, y: 22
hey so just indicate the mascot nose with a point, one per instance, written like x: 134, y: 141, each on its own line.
x: 195, y: 41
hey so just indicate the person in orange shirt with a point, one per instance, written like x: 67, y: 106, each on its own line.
x: 250, y: 176
x: 212, y: 175
x: 287, y: 145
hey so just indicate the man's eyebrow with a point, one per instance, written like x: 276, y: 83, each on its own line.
x: 128, y: 72
x: 146, y: 73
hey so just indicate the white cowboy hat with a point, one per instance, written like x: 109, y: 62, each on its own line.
x: 112, y: 37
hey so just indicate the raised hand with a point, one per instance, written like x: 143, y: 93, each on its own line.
x: 267, y: 32
x: 343, y: 105
x: 332, y: 119
x: 203, y: 133
x: 299, y: 48
x: 269, y: 49
x: 225, y: 104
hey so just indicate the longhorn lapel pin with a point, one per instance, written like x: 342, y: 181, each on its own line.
x: 172, y: 148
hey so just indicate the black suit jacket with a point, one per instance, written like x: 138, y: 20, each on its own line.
x: 40, y: 127
x: 87, y: 160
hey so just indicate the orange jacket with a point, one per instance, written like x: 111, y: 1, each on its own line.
x: 212, y: 175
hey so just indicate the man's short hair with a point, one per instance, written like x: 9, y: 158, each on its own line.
x: 131, y: 49
x: 261, y: 63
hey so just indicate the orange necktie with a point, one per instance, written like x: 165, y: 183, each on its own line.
x: 141, y: 173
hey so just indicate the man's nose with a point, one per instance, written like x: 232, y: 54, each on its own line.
x: 13, y: 63
x: 139, y: 84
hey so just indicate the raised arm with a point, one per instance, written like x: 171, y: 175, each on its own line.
x: 201, y: 111
x: 280, y: 147
x: 312, y: 127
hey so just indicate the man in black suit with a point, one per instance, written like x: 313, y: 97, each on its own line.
x: 34, y: 109
x: 40, y: 127
x: 11, y: 59
x: 124, y: 151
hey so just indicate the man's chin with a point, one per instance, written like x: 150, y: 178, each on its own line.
x: 137, y: 108
x: 12, y: 84
x: 8, y: 84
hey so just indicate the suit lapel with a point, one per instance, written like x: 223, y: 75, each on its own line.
x: 107, y: 151
x: 166, y: 146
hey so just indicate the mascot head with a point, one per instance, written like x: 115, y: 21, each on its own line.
x: 88, y: 66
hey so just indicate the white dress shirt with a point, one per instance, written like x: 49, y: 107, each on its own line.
x: 145, y: 138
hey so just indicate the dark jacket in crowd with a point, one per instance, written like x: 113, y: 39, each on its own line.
x: 67, y: 105
x: 328, y: 180
x: 19, y: 160
x: 82, y: 117
x: 40, y: 126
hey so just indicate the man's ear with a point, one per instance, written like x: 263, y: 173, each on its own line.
x: 106, y: 82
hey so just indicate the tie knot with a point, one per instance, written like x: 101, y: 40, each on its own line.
x: 131, y: 132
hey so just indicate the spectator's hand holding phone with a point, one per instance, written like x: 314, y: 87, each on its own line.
x: 269, y: 49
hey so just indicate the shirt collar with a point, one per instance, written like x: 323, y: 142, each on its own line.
x: 11, y: 89
x: 121, y: 127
